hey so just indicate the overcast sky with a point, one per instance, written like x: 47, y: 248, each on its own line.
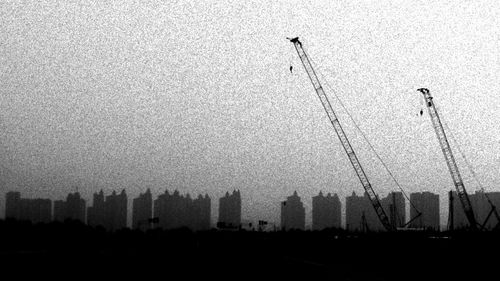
x: 198, y: 96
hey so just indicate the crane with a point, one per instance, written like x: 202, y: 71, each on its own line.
x: 379, y: 210
x: 450, y: 160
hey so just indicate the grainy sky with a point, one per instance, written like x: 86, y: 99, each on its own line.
x: 198, y: 96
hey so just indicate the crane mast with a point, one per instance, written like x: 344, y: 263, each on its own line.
x: 450, y: 160
x: 379, y: 210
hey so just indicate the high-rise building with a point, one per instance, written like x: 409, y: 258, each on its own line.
x: 109, y: 211
x: 230, y: 210
x: 202, y: 212
x: 360, y: 214
x: 428, y: 205
x: 325, y: 211
x: 96, y: 213
x: 161, y: 212
x: 175, y: 211
x: 12, y: 204
x: 34, y: 210
x: 394, y: 207
x: 168, y: 208
x: 293, y: 214
x: 116, y: 210
x: 142, y: 211
x: 354, y: 208
x: 73, y: 208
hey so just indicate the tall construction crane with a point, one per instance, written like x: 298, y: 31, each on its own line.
x: 450, y: 160
x: 379, y: 210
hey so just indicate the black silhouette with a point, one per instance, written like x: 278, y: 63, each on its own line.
x: 71, y: 247
x: 333, y: 253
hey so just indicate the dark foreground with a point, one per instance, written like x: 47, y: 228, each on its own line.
x: 70, y: 250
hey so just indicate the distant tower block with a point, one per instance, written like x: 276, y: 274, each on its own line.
x: 357, y: 208
x: 95, y: 213
x: 202, y: 212
x: 142, y: 211
x: 428, y: 204
x: 176, y: 211
x: 34, y: 210
x: 73, y: 208
x: 325, y: 211
x: 394, y: 205
x: 109, y: 211
x: 12, y: 204
x: 230, y: 210
x: 293, y: 214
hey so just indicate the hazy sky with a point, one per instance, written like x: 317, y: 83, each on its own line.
x: 198, y: 96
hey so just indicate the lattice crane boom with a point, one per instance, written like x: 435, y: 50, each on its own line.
x: 379, y: 210
x: 450, y: 159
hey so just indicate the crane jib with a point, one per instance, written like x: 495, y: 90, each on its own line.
x: 450, y: 159
x: 379, y: 210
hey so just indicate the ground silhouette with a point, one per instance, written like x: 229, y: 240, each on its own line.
x: 80, y: 250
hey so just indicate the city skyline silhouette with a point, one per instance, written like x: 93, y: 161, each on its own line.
x: 191, y: 137
x: 149, y: 106
x: 173, y: 210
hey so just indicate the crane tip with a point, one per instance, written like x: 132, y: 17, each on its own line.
x: 423, y: 90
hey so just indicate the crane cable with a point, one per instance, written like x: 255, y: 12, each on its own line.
x: 363, y: 134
